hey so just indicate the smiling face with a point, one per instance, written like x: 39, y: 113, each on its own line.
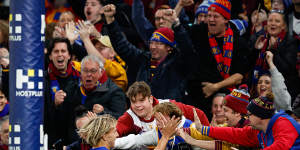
x: 218, y: 109
x: 264, y: 85
x: 255, y: 122
x: 160, y: 22
x: 275, y: 24
x: 216, y: 23
x: 159, y: 50
x: 142, y: 106
x: 232, y: 117
x: 60, y: 56
x: 93, y: 10
x: 3, y: 101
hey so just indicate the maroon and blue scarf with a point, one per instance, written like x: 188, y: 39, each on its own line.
x: 54, y: 73
x: 261, y: 66
x: 223, y: 59
x: 83, y: 91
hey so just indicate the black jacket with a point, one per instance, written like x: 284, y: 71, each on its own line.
x: 285, y: 59
x: 57, y: 118
x: 170, y: 74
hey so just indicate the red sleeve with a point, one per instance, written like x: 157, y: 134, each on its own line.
x: 125, y: 125
x: 188, y: 112
x: 243, y: 136
x: 284, y: 134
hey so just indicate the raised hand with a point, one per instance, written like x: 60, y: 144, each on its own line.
x: 71, y: 32
x: 91, y: 115
x: 83, y: 30
x: 109, y: 12
x: 170, y: 127
x: 170, y: 18
x: 160, y: 120
x: 260, y: 42
x: 4, y: 57
x: 197, y: 121
x: 59, y: 32
x: 185, y: 3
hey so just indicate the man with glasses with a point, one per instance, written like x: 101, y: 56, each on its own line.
x: 164, y: 67
x: 98, y: 97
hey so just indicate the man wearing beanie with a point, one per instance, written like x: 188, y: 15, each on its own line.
x: 221, y: 54
x: 163, y: 67
x: 269, y: 130
x: 201, y: 12
x: 235, y: 108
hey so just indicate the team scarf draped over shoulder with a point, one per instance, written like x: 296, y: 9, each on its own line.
x: 84, y: 91
x: 72, y: 70
x: 224, y: 58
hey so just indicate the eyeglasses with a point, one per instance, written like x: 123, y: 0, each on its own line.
x: 92, y: 71
x: 159, y: 18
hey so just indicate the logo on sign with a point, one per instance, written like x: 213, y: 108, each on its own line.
x: 15, y: 30
x: 27, y: 84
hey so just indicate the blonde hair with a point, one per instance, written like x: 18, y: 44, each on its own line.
x: 97, y: 128
x: 169, y: 109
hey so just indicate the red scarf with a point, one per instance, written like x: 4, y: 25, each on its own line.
x: 223, y: 59
x: 53, y: 73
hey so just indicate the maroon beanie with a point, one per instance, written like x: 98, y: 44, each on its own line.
x: 238, y: 99
x: 223, y: 7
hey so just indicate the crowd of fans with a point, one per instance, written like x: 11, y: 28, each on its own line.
x: 167, y: 74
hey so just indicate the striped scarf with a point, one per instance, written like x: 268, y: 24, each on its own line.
x: 53, y: 73
x: 261, y: 66
x: 224, y: 58
x: 84, y: 91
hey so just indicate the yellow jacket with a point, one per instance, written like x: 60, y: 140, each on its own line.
x: 117, y: 73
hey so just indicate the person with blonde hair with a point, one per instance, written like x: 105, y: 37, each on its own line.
x: 100, y: 132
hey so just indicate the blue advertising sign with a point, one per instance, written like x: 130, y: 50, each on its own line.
x: 26, y: 37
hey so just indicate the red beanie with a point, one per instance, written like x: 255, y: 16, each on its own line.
x: 223, y: 7
x: 238, y: 99
x: 164, y: 35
